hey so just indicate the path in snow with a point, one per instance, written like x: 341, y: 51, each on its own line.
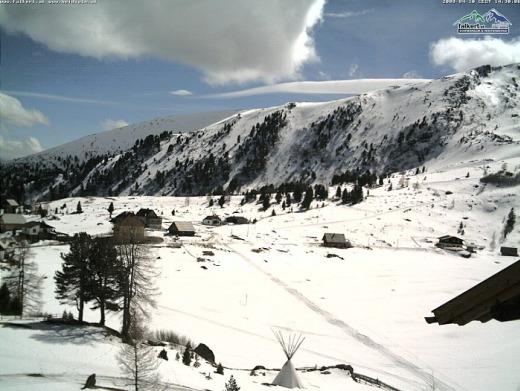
x: 352, y: 332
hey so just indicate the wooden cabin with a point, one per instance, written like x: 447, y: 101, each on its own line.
x: 335, y: 240
x: 212, y: 220
x: 12, y: 222
x: 182, y: 228
x: 150, y: 218
x: 37, y: 230
x: 449, y: 242
x: 130, y: 228
x: 237, y: 220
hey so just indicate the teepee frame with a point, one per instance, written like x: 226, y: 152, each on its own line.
x: 291, y: 345
x: 288, y: 377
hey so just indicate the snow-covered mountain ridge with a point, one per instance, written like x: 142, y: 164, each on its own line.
x: 463, y: 117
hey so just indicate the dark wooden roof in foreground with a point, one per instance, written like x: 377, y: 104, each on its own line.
x: 497, y: 297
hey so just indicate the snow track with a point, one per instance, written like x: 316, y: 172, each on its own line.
x: 417, y: 371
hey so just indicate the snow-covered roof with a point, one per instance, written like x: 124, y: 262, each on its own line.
x: 11, y: 202
x: 334, y: 238
x: 145, y: 212
x: 212, y: 217
x: 182, y: 226
x: 12, y: 218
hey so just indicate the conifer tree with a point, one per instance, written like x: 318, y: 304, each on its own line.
x: 111, y: 209
x: 186, y: 356
x: 104, y: 268
x: 222, y: 201
x: 510, y: 222
x: 309, y: 196
x: 231, y: 385
x: 5, y: 299
x: 265, y: 201
x: 73, y: 279
x: 338, y: 192
x: 297, y: 194
x: 220, y: 369
x: 78, y: 208
x: 345, y: 197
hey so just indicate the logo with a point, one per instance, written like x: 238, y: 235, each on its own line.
x: 492, y: 22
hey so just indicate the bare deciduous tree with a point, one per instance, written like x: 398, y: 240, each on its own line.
x: 137, y: 360
x: 136, y: 281
x: 26, y: 282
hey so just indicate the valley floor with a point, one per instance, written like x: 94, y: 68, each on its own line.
x: 363, y: 306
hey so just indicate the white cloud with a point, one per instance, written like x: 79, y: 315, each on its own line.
x: 60, y: 98
x: 229, y: 41
x: 352, y: 70
x: 110, y: 124
x: 324, y: 75
x: 463, y: 54
x: 348, y: 14
x: 412, y: 75
x: 346, y: 87
x: 12, y: 112
x: 181, y: 92
x: 10, y: 149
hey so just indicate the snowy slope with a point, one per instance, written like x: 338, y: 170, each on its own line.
x: 364, y: 306
x: 459, y: 118
x: 121, y: 139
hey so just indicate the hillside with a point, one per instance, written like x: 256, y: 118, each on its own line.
x: 457, y: 118
x: 121, y: 139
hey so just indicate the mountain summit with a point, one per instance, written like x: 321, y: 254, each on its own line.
x: 469, y: 116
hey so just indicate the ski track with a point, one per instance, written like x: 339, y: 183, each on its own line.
x: 349, y: 330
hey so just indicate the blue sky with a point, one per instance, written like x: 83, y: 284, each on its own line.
x: 82, y: 85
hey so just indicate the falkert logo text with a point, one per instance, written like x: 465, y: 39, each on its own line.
x: 492, y: 22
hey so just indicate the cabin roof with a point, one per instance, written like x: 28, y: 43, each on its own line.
x: 145, y: 212
x: 11, y: 202
x: 497, y: 297
x: 445, y: 237
x: 12, y: 218
x: 121, y: 216
x: 182, y: 226
x: 331, y: 237
x: 212, y: 217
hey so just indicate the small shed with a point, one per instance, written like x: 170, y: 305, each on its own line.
x: 450, y: 242
x: 182, y: 228
x: 212, y: 220
x: 237, y: 220
x: 129, y: 228
x: 149, y: 218
x: 11, y: 222
x: 335, y: 240
x: 509, y: 251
